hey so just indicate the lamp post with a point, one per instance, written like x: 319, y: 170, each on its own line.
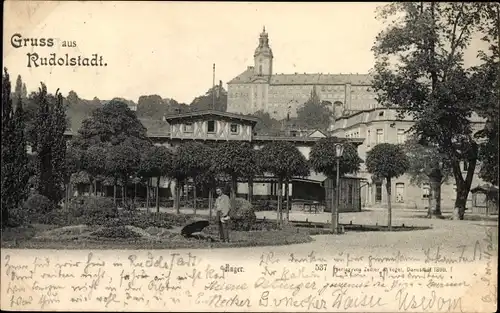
x: 339, y: 150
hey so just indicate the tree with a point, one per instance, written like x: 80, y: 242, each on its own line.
x: 314, y: 113
x: 15, y: 173
x: 49, y: 143
x: 122, y: 161
x: 152, y: 106
x: 193, y: 159
x: 79, y: 109
x: 155, y: 162
x: 180, y: 175
x: 19, y: 92
x: 94, y: 163
x: 387, y: 161
x: 214, y: 99
x: 284, y: 161
x: 208, y: 178
x: 175, y: 107
x: 419, y: 71
x: 114, y: 123
x: 486, y: 80
x: 323, y: 159
x: 427, y: 164
x: 235, y: 159
x: 73, y: 165
x: 266, y: 124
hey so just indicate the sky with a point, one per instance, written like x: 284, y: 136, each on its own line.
x: 168, y: 48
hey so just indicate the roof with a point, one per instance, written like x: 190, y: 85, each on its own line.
x: 355, y: 141
x: 156, y: 128
x: 321, y: 79
x: 316, y: 131
x: 189, y: 115
x: 306, y: 79
x: 245, y: 77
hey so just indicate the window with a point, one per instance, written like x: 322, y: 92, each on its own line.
x: 188, y: 127
x: 260, y: 70
x: 426, y: 191
x: 234, y: 128
x: 401, y: 136
x: 380, y: 136
x: 368, y: 140
x: 211, y: 126
x: 400, y: 192
x: 378, y: 192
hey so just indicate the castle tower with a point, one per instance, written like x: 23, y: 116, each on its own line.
x: 263, y: 56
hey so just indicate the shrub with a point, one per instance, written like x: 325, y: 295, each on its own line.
x: 94, y: 210
x: 121, y: 232
x: 34, y: 210
x: 242, y: 215
x: 38, y: 204
x: 62, y: 217
x: 142, y: 220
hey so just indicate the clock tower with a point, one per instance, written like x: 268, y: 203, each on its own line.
x: 263, y: 56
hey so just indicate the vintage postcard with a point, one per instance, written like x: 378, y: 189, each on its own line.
x: 250, y: 156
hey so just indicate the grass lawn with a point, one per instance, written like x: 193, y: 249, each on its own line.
x: 35, y: 237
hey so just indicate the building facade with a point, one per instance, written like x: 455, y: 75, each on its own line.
x: 259, y: 89
x: 382, y: 125
x: 223, y: 126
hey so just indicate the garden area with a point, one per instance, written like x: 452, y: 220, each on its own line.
x: 89, y: 222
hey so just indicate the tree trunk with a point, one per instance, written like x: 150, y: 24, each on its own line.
x: 158, y: 194
x: 135, y: 194
x: 177, y: 196
x: 66, y: 197
x: 463, y: 185
x: 95, y: 187
x: 194, y: 198
x: 91, y: 187
x: 148, y: 183
x: 279, y: 210
x: 234, y: 186
x: 250, y: 189
x: 460, y: 203
x: 389, y: 207
x: 210, y: 199
x: 435, y: 196
x: 114, y: 193
x: 287, y: 199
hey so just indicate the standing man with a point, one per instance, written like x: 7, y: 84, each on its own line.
x: 222, y: 205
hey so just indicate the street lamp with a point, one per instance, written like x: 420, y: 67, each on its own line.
x: 339, y: 150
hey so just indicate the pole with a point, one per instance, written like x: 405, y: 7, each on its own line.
x: 333, y: 207
x: 213, y: 89
x: 337, y: 198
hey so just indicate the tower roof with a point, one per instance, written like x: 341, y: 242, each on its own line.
x: 263, y: 48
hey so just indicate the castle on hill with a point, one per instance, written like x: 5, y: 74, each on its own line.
x: 258, y: 89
